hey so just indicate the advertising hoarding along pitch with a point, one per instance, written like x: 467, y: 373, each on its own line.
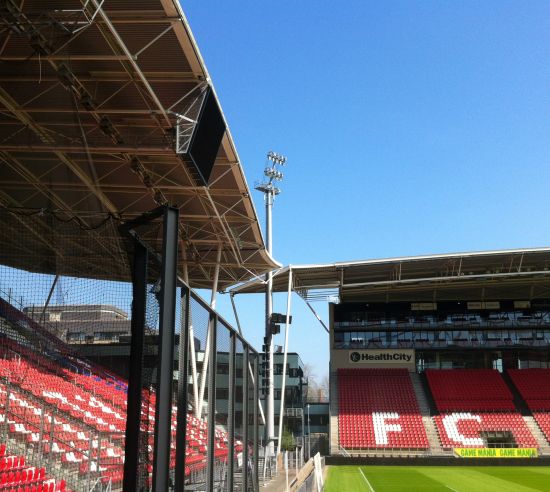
x: 496, y: 452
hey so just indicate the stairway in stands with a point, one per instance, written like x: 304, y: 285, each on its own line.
x: 472, y: 402
x: 423, y: 405
x: 533, y: 386
x: 334, y: 442
x: 537, y: 434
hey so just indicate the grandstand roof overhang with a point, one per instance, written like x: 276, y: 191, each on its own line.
x: 90, y: 95
x: 512, y: 274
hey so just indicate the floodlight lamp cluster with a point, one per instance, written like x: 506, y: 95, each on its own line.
x: 276, y: 158
x: 272, y: 173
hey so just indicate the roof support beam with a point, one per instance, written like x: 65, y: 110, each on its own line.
x: 115, y: 188
x: 9, y: 103
x: 63, y: 57
x: 114, y: 76
x: 78, y: 149
x: 132, y: 61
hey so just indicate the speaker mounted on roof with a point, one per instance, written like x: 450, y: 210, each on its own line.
x: 199, y: 135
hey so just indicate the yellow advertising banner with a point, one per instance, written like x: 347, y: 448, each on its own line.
x: 496, y: 452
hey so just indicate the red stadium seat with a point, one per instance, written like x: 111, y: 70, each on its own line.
x: 78, y: 395
x: 469, y: 389
x: 534, y: 387
x: 473, y: 401
x: 378, y: 409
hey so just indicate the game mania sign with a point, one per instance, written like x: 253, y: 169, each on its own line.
x: 496, y: 452
x: 382, y: 356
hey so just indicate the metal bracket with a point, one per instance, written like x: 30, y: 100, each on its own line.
x: 74, y: 20
x: 186, y: 122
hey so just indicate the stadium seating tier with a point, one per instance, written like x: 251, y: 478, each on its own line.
x: 378, y: 409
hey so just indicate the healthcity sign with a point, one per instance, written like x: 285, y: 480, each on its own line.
x: 383, y: 356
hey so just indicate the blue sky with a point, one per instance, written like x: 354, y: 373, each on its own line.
x: 410, y: 127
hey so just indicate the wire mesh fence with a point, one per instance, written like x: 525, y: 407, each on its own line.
x: 66, y: 313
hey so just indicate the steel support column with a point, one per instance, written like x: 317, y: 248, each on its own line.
x: 211, y: 466
x: 165, y: 372
x: 256, y: 451
x: 132, y: 469
x: 43, y: 313
x: 231, y: 413
x: 287, y: 330
x: 183, y: 369
x: 270, y: 410
x: 198, y: 411
x: 259, y: 403
x: 245, y: 419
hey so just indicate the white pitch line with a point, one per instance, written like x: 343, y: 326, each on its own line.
x: 450, y: 488
x: 366, y: 479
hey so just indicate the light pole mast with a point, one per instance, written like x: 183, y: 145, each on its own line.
x: 270, y: 191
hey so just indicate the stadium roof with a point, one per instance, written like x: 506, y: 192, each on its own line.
x: 91, y: 93
x: 517, y: 273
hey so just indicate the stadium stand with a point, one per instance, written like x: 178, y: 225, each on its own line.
x: 474, y: 402
x: 464, y: 429
x: 378, y: 409
x: 16, y: 476
x: 469, y: 389
x: 57, y: 407
x: 534, y: 387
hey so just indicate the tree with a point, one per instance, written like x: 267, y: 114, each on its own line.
x: 315, y: 390
x: 287, y: 440
x: 325, y: 386
x: 311, y: 381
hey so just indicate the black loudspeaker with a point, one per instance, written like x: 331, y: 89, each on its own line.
x: 280, y: 318
x: 206, y: 138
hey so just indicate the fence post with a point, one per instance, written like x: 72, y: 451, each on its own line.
x: 7, y: 408
x: 245, y: 418
x: 98, y: 459
x: 90, y: 458
x: 183, y: 366
x: 132, y: 469
x: 256, y: 433
x: 211, y: 467
x: 231, y: 413
x: 41, y: 432
x: 165, y: 371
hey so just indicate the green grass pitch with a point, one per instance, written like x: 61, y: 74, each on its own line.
x: 438, y: 479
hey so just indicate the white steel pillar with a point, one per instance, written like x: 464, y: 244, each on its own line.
x: 270, y: 410
x: 194, y: 375
x: 251, y: 374
x: 287, y: 329
x: 270, y: 191
x: 208, y: 333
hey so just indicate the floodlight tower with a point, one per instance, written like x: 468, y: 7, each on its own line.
x: 269, y: 190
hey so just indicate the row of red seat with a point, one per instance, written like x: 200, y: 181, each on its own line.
x: 534, y: 386
x: 89, y: 399
x: 378, y: 409
x: 463, y: 429
x: 14, y: 474
x: 474, y: 395
x: 479, y: 389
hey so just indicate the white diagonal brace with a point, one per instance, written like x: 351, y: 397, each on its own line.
x: 260, y: 408
x: 287, y: 330
x: 204, y: 373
